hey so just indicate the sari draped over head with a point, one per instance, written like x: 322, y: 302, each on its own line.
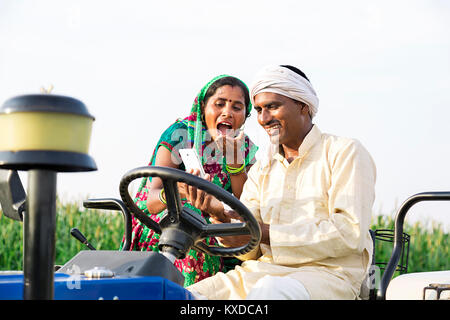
x: 190, y: 132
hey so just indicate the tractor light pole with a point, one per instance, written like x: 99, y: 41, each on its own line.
x: 43, y: 134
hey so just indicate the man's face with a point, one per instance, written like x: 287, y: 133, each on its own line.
x: 283, y: 118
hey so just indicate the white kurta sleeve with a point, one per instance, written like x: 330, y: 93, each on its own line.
x: 350, y: 199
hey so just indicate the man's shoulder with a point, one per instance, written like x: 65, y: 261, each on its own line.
x: 337, y: 143
x: 341, y: 149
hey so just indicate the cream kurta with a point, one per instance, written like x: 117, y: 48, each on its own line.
x: 319, y: 211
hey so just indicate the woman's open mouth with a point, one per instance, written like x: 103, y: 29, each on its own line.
x: 225, y: 128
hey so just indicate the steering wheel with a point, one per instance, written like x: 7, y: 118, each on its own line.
x: 181, y: 228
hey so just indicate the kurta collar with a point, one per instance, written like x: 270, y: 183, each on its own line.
x: 309, y: 141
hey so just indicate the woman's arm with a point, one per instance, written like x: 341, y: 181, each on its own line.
x: 238, y: 180
x: 163, y: 159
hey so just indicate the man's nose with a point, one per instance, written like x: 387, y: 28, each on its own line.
x: 264, y: 117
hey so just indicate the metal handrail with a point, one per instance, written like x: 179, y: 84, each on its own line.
x: 398, y: 234
x: 114, y: 204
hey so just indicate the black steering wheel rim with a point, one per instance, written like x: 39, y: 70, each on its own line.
x: 170, y: 177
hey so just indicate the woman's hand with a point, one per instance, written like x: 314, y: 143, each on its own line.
x: 231, y: 148
x: 182, y: 189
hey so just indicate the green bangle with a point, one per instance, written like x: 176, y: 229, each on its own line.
x: 160, y: 196
x: 234, y: 171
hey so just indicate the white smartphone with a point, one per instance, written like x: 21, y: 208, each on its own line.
x: 191, y: 160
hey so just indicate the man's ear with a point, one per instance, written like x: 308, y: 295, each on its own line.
x: 303, y: 106
x: 305, y: 109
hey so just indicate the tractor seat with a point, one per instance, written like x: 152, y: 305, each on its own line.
x: 420, y: 285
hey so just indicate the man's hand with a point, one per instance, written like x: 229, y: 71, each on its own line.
x: 231, y: 241
x: 235, y: 241
x: 203, y: 200
x: 207, y: 203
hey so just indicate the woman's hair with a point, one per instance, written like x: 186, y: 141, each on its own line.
x: 230, y: 81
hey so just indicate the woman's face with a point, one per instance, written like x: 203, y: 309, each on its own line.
x: 224, y: 111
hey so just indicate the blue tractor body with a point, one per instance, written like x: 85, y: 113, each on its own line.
x: 70, y: 287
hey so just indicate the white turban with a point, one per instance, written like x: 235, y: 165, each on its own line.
x: 281, y: 80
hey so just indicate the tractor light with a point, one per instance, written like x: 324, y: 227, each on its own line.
x: 45, y: 131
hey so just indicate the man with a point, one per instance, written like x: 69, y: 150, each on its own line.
x: 312, y: 195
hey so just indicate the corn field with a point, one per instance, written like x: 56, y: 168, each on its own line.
x: 104, y: 229
x: 428, y: 248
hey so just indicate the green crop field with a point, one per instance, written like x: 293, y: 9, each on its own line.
x: 104, y: 229
x: 429, y: 247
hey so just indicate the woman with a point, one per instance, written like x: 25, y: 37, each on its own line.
x: 218, y: 112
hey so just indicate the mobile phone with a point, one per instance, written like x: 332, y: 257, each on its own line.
x: 191, y: 160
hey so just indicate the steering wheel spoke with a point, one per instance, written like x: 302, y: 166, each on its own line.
x: 221, y: 251
x: 225, y: 229
x: 173, y: 199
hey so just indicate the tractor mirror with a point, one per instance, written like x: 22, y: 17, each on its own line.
x: 12, y: 194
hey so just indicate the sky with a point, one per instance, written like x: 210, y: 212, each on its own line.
x: 381, y: 70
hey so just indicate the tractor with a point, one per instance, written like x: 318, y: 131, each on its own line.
x: 136, y: 275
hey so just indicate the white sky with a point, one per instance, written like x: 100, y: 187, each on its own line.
x: 381, y: 70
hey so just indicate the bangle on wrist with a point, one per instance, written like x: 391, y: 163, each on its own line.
x: 160, y: 196
x: 235, y: 171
